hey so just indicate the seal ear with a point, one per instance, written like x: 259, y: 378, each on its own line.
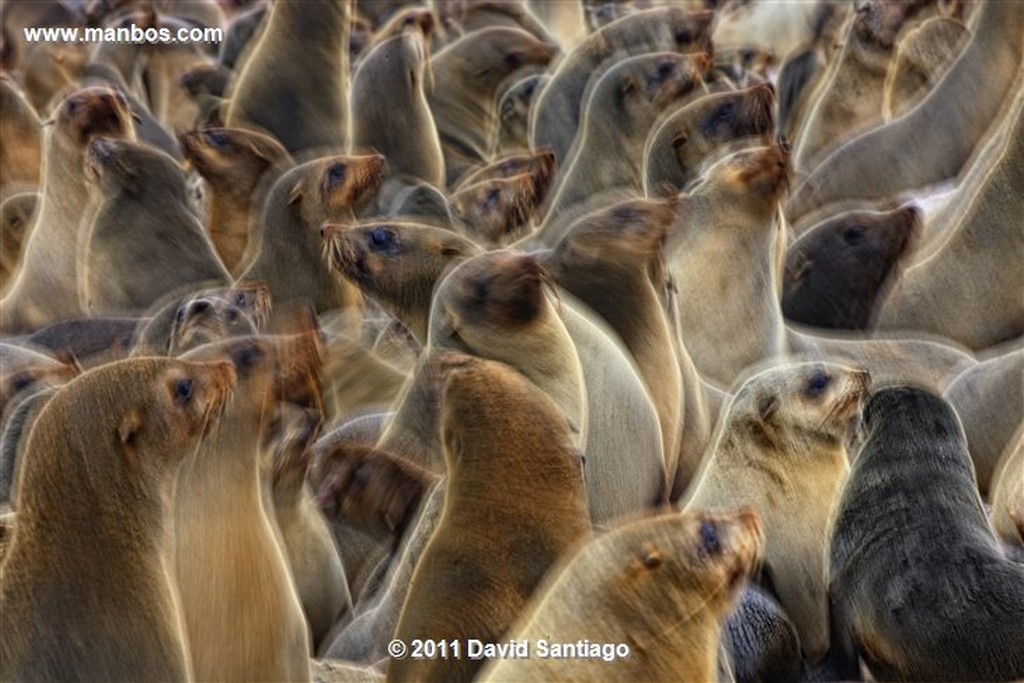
x: 627, y: 84
x: 128, y: 431
x: 797, y: 271
x: 766, y: 407
x: 296, y: 193
x: 257, y: 152
x: 680, y: 139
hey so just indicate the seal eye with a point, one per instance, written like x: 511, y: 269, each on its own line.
x: 22, y: 380
x: 724, y: 112
x: 818, y: 382
x: 381, y: 238
x: 854, y: 235
x: 183, y: 392
x: 747, y: 56
x: 249, y: 358
x: 709, y: 537
x: 218, y: 140
x: 232, y: 315
x: 240, y: 299
x: 684, y: 36
x: 336, y: 174
x: 180, y: 315
x: 665, y: 69
x: 492, y: 199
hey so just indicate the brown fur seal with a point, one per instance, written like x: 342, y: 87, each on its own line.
x: 241, y: 612
x: 239, y: 167
x: 559, y: 109
x: 16, y: 214
x: 913, y: 564
x: 295, y: 88
x: 839, y: 272
x: 923, y: 57
x: 495, y: 424
x: 497, y: 212
x: 21, y: 137
x: 726, y: 262
x: 644, y: 602
x: 539, y: 164
x: 144, y: 240
x: 95, y: 520
x: 1008, y: 492
x: 90, y: 341
x: 512, y: 130
x: 875, y: 164
x: 467, y: 76
x: 676, y: 149
x: 604, y: 260
x: 619, y: 113
x: 400, y: 126
x: 850, y: 99
x: 329, y: 189
x: 940, y: 294
x: 397, y: 265
x: 45, y: 288
x: 989, y: 400
x: 781, y: 448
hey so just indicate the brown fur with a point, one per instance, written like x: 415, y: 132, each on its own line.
x: 473, y: 580
x: 20, y: 141
x: 95, y: 521
x: 16, y: 214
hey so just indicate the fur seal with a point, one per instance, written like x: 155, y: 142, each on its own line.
x: 467, y: 76
x: 297, y: 89
x: 619, y: 113
x: 923, y: 56
x: 940, y: 294
x: 761, y: 640
x: 512, y: 131
x: 850, y: 99
x: 660, y: 586
x: 239, y: 166
x: 90, y: 341
x: 45, y: 289
x: 144, y: 240
x: 953, y: 577
x: 839, y: 272
x: 240, y: 610
x: 731, y: 242
x: 328, y: 189
x: 101, y: 465
x: 497, y: 212
x: 540, y: 164
x: 21, y: 137
x: 1008, y: 492
x: 400, y: 126
x: 16, y: 214
x: 989, y: 400
x: 676, y: 149
x: 875, y: 164
x: 241, y: 36
x: 397, y: 265
x: 780, y: 447
x: 558, y: 110
x: 495, y: 424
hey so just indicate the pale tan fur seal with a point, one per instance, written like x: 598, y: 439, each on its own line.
x: 923, y: 57
x: 294, y: 84
x: 287, y: 255
x: 239, y: 167
x: 95, y: 521
x: 45, y: 288
x: 781, y: 448
x: 241, y: 612
x: 944, y: 128
x: 662, y: 587
x: 473, y: 580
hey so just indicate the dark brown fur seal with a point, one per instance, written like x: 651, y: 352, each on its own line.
x: 144, y: 241
x: 294, y: 85
x: 239, y: 167
x: 495, y: 423
x: 287, y: 256
x: 955, y: 609
x: 95, y: 520
x: 838, y: 273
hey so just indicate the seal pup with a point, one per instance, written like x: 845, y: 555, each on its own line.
x: 295, y: 88
x: 95, y: 518
x: 495, y: 424
x: 45, y: 288
x: 467, y: 75
x: 558, y: 110
x: 144, y: 240
x: 677, y: 147
x: 241, y: 613
x: 239, y: 166
x: 874, y: 165
x: 333, y: 188
x: 953, y: 577
x: 662, y: 587
x: 401, y: 125
x: 838, y: 273
x: 780, y: 447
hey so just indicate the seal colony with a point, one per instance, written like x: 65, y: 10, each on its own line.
x: 464, y: 340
